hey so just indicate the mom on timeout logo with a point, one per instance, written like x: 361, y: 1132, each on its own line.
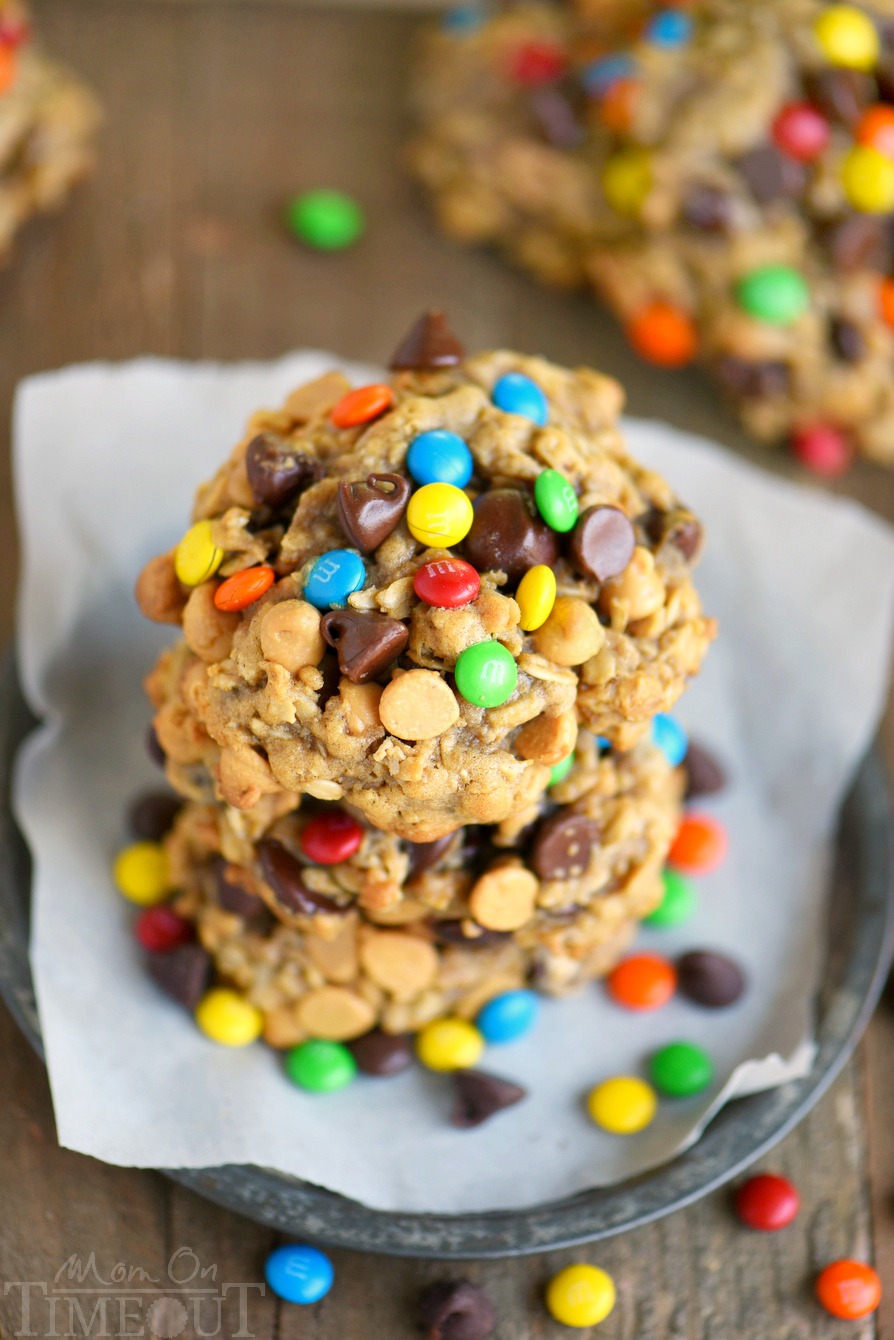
x: 127, y: 1300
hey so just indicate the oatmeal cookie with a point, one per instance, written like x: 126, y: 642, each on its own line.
x: 330, y: 927
x: 406, y: 596
x: 742, y: 221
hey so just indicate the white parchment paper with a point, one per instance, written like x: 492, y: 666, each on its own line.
x: 107, y: 458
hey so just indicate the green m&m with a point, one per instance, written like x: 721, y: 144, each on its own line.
x: 678, y: 903
x: 486, y: 674
x: 681, y: 1070
x: 327, y: 220
x: 776, y: 294
x: 319, y: 1066
x: 560, y: 770
x: 556, y: 500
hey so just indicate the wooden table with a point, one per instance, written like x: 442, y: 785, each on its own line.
x: 215, y: 113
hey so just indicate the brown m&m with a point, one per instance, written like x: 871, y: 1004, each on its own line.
x: 709, y: 979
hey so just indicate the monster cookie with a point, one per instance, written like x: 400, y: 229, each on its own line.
x: 406, y: 595
x: 330, y: 927
x: 47, y: 125
x: 743, y: 221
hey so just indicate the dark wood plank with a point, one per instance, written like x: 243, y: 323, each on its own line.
x: 215, y: 113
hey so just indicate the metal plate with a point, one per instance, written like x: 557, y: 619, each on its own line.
x: 861, y: 933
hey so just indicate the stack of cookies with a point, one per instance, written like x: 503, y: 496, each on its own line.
x: 427, y: 626
x: 47, y: 124
x: 720, y: 173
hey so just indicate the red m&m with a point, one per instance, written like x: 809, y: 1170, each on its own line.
x: 823, y: 449
x: 767, y: 1202
x: 160, y: 929
x: 331, y: 838
x: 801, y: 131
x: 447, y: 583
x: 537, y: 63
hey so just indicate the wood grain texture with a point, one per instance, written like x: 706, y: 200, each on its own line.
x: 215, y: 113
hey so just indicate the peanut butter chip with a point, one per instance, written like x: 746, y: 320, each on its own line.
x: 638, y: 590
x: 402, y: 964
x: 503, y: 899
x: 418, y: 705
x: 360, y: 703
x: 548, y: 739
x: 290, y: 635
x: 335, y: 1014
x: 571, y: 634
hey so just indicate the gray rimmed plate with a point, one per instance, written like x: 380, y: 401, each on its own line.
x: 861, y: 937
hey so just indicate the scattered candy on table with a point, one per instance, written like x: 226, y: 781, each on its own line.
x: 449, y: 1044
x: 670, y: 737
x: 705, y: 775
x: 244, y: 588
x: 556, y: 500
x: 509, y: 1016
x: 140, y: 872
x: 299, y: 1274
x: 823, y: 449
x: 709, y: 979
x: 767, y: 1202
x: 515, y: 393
x: 333, y: 577
x: 382, y: 1054
x: 228, y: 1018
x: 581, y: 1295
x: 320, y: 1066
x: 362, y: 405
x: 331, y: 837
x: 700, y: 845
x: 324, y: 219
x: 623, y: 1105
x: 486, y: 674
x: 677, y: 906
x: 440, y: 457
x: 642, y: 982
x: 439, y: 515
x: 480, y: 1096
x: 681, y: 1069
x: 447, y: 583
x: 152, y: 814
x: 849, y: 1289
x: 197, y: 557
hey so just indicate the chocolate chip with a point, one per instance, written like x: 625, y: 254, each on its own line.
x: 369, y: 512
x: 285, y: 876
x: 556, y: 118
x: 772, y: 175
x: 452, y: 933
x: 234, y: 891
x: 456, y: 1310
x: 884, y: 74
x: 506, y: 536
x: 328, y: 668
x: 379, y: 1053
x: 846, y: 339
x: 841, y: 93
x: 753, y: 381
x: 602, y: 543
x: 480, y: 1096
x: 704, y: 775
x: 563, y: 845
x: 684, y: 532
x: 423, y: 855
x: 858, y: 242
x: 151, y: 815
x: 366, y: 642
x: 184, y: 973
x: 154, y: 749
x: 709, y: 979
x: 708, y: 208
x: 276, y: 471
x: 428, y: 345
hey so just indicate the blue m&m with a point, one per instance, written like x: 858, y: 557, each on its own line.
x: 509, y: 1016
x: 517, y: 394
x: 299, y: 1274
x: 670, y: 737
x: 669, y: 28
x: 335, y: 575
x: 440, y: 457
x: 599, y: 75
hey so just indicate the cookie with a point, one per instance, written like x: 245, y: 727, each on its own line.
x: 405, y: 596
x: 742, y: 222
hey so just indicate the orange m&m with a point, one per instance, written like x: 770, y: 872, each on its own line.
x: 616, y: 108
x: 663, y: 334
x: 849, y: 1289
x: 876, y: 129
x: 886, y: 301
x: 642, y: 982
x: 362, y: 405
x: 700, y: 845
x: 244, y: 588
x: 9, y: 65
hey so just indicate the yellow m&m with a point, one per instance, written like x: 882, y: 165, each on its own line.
x: 439, y: 515
x: 449, y: 1044
x: 868, y: 180
x: 581, y: 1296
x: 623, y: 1105
x: 847, y: 37
x: 141, y: 873
x: 627, y: 180
x: 197, y: 557
x: 536, y: 596
x: 228, y: 1018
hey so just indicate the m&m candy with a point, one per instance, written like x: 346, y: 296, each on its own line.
x: 777, y: 294
x: 678, y: 902
x: 517, y: 394
x: 767, y: 1202
x: 439, y: 515
x: 669, y: 28
x: 681, y: 1069
x: 670, y: 737
x: 560, y: 770
x: 599, y: 76
x: 801, y: 131
x: 556, y: 500
x: 160, y: 929
x: 536, y: 596
x: 580, y: 1295
x: 440, y: 457
x: 847, y: 37
x: 449, y: 1044
x: 876, y: 129
x: 486, y: 674
x: 534, y: 63
x: 447, y: 583
x: 642, y: 982
x: 320, y: 1066
x: 334, y: 576
x: 849, y: 1289
x: 508, y: 1016
x: 331, y: 837
x: 622, y: 1105
x: 868, y: 180
x: 299, y: 1274
x: 228, y: 1018
x: 141, y: 873
x: 324, y: 219
x: 627, y: 180
x: 700, y: 845
x: 362, y: 405
x: 663, y: 334
x: 823, y: 449
x: 197, y: 557
x: 244, y: 588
